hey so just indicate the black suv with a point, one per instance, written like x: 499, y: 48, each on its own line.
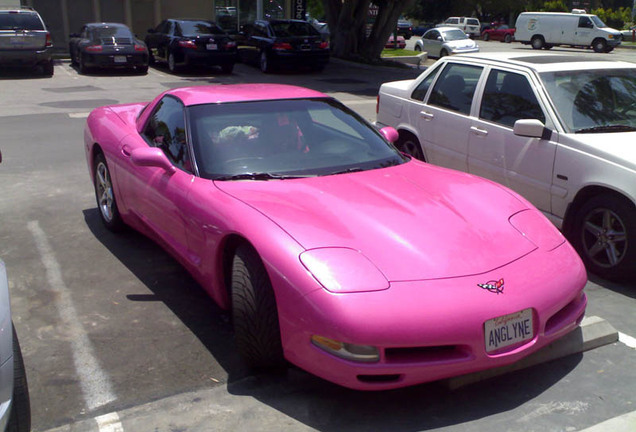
x: 189, y: 42
x: 24, y: 40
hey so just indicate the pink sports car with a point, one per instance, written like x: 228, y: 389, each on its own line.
x: 332, y: 250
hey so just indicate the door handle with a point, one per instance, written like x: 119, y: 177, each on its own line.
x: 427, y: 115
x: 479, y: 132
x: 125, y: 149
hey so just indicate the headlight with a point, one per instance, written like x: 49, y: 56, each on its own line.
x: 359, y: 353
x: 537, y: 228
x: 343, y: 270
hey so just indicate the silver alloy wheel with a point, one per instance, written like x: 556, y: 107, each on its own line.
x: 104, y: 191
x: 604, y: 237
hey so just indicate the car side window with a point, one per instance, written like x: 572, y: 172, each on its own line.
x: 422, y: 88
x: 432, y: 35
x: 162, y: 27
x: 165, y: 129
x: 455, y: 87
x: 508, y: 97
x: 585, y: 22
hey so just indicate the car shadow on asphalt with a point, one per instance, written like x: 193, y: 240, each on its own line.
x: 172, y: 285
x: 627, y: 289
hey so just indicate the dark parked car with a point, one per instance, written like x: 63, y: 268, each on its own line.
x: 282, y: 43
x: 190, y: 42
x: 107, y: 45
x: 24, y: 40
x: 404, y: 28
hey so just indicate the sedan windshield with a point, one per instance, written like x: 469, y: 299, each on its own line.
x: 593, y: 101
x: 195, y: 28
x: 453, y: 35
x: 269, y: 140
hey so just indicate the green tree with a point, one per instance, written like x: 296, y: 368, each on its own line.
x: 352, y: 34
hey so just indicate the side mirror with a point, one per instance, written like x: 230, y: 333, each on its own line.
x: 390, y: 134
x: 151, y: 157
x: 531, y: 128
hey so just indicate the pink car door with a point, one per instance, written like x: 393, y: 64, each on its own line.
x: 156, y: 195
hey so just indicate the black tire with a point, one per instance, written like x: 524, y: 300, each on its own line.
x: 537, y: 42
x: 151, y: 57
x: 443, y: 53
x: 83, y: 69
x: 599, y: 45
x: 172, y: 63
x: 409, y: 144
x: 142, y: 70
x: 486, y: 37
x: 254, y: 312
x: 227, y: 68
x: 605, y: 236
x: 48, y: 69
x: 507, y: 38
x: 264, y: 62
x: 105, y: 195
x: 20, y: 417
x: 418, y: 48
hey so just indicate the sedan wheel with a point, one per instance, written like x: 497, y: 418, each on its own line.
x: 605, y: 235
x: 507, y: 38
x: 265, y: 63
x: 254, y: 312
x: 407, y: 143
x: 105, y: 196
x: 172, y: 63
x: 418, y: 48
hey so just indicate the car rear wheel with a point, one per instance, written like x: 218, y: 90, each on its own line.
x: 443, y: 53
x: 486, y: 36
x: 48, y: 69
x: 507, y: 38
x: 105, y: 196
x: 266, y: 67
x: 605, y: 236
x: 172, y: 63
x: 409, y: 144
x: 142, y: 70
x: 418, y: 48
x: 20, y: 417
x: 537, y: 42
x: 254, y: 312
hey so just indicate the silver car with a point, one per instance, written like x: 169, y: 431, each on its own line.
x: 25, y: 41
x: 443, y: 41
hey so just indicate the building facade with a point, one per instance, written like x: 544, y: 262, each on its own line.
x: 64, y: 17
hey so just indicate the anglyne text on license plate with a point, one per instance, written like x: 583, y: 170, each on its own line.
x: 508, y: 330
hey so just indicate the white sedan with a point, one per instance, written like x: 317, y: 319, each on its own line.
x: 443, y: 41
x: 560, y: 129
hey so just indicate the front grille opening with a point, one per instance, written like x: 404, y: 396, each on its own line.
x: 379, y: 379
x: 432, y: 354
x: 564, y: 316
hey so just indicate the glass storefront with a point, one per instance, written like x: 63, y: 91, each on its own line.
x: 232, y: 14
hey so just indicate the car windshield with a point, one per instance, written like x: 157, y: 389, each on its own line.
x: 194, y: 28
x: 293, y: 28
x: 599, y: 23
x: 111, y: 33
x: 589, y: 101
x: 453, y: 35
x: 285, y: 139
x: 26, y: 21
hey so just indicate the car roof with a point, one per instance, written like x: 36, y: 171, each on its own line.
x: 241, y: 93
x: 548, y: 62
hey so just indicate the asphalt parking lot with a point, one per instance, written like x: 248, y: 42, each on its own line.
x: 117, y: 337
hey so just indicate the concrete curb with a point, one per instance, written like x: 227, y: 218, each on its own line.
x: 592, y: 333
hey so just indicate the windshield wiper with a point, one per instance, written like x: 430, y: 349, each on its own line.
x: 348, y: 170
x: 606, y: 128
x: 261, y: 176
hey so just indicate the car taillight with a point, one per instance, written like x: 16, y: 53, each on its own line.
x: 94, y: 48
x: 49, y: 40
x: 187, y: 44
x: 377, y: 104
x: 230, y: 44
x: 140, y: 48
x: 282, y: 46
x: 324, y: 45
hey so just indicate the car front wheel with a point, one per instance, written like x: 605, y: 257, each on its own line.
x: 105, y: 196
x: 605, y: 236
x: 599, y: 45
x: 20, y: 417
x: 172, y: 63
x: 265, y: 63
x: 409, y: 144
x: 254, y: 312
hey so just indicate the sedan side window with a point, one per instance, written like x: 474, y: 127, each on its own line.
x: 508, y: 97
x: 166, y: 129
x: 455, y: 87
x: 420, y: 91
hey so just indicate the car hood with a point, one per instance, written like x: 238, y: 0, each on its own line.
x: 462, y: 43
x: 617, y: 147
x: 413, y: 221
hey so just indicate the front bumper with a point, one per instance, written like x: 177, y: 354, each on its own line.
x: 429, y: 330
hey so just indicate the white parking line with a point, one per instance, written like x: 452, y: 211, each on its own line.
x: 627, y: 340
x: 109, y: 423
x: 78, y: 115
x: 95, y: 385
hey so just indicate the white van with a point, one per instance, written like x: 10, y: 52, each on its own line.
x: 547, y: 29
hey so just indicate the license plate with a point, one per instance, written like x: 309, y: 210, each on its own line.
x: 16, y: 40
x: 212, y: 47
x: 120, y: 59
x: 508, y: 330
